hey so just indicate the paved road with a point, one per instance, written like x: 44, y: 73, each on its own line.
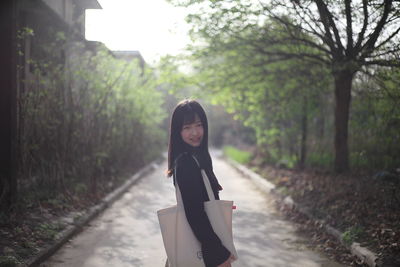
x: 127, y: 234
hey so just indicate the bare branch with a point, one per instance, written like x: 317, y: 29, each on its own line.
x: 311, y: 17
x: 392, y: 18
x: 384, y: 63
x: 384, y: 53
x: 288, y: 55
x: 306, y: 19
x: 335, y: 31
x: 325, y: 21
x: 307, y: 42
x: 349, y: 26
x: 264, y: 62
x: 261, y: 45
x: 388, y: 39
x: 288, y: 26
x: 364, y: 27
x: 332, y: 24
x: 369, y: 45
x: 312, y: 44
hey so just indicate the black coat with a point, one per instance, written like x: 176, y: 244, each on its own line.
x: 194, y: 194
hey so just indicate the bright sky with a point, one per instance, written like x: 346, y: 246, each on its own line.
x: 154, y: 27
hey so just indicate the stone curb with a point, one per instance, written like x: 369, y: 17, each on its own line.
x: 89, y: 215
x: 363, y: 254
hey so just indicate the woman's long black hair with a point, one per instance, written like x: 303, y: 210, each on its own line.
x: 185, y: 113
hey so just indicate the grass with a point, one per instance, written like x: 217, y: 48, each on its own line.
x: 241, y: 156
x: 8, y: 261
x: 352, y: 235
x: 323, y: 160
x: 48, y: 231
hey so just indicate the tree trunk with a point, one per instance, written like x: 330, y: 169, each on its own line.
x: 303, y: 146
x: 343, y: 82
x: 8, y: 104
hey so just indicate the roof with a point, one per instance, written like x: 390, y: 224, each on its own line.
x: 89, y: 4
x: 128, y: 54
x: 133, y: 53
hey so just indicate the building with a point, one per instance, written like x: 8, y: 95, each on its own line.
x: 42, y: 23
x: 130, y: 56
x: 27, y: 27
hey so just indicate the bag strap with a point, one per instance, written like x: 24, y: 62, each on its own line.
x: 178, y: 195
x: 206, y: 182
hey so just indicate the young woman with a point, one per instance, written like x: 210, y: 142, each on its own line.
x: 188, y: 138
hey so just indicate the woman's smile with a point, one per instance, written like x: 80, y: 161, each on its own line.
x: 192, y: 133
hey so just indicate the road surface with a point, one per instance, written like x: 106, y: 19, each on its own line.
x: 128, y: 234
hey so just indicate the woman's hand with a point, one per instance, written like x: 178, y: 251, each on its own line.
x: 227, y: 263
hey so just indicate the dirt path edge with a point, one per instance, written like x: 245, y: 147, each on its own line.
x: 363, y: 254
x: 90, y: 214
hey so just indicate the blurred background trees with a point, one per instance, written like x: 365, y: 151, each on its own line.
x: 84, y: 122
x: 81, y: 122
x: 299, y: 84
x: 276, y: 77
x: 290, y: 69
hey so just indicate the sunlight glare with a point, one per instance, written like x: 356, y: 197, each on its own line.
x: 153, y: 27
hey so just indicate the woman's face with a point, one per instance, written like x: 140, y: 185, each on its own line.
x: 192, y: 133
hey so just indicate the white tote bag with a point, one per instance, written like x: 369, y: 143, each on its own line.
x: 181, y: 246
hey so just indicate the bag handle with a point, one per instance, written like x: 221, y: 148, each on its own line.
x: 178, y: 195
x: 206, y: 181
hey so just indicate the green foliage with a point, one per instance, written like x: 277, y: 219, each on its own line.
x: 283, y: 190
x: 84, y: 116
x: 352, y: 234
x: 47, y: 231
x: 270, y: 98
x: 18, y: 230
x: 256, y: 60
x: 80, y: 188
x: 287, y: 162
x: 323, y: 160
x: 8, y: 261
x: 238, y: 155
x: 375, y: 123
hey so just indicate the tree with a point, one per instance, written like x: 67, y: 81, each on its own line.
x: 276, y: 101
x: 349, y: 35
x: 8, y: 105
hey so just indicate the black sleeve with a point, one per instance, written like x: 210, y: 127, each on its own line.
x: 189, y: 179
